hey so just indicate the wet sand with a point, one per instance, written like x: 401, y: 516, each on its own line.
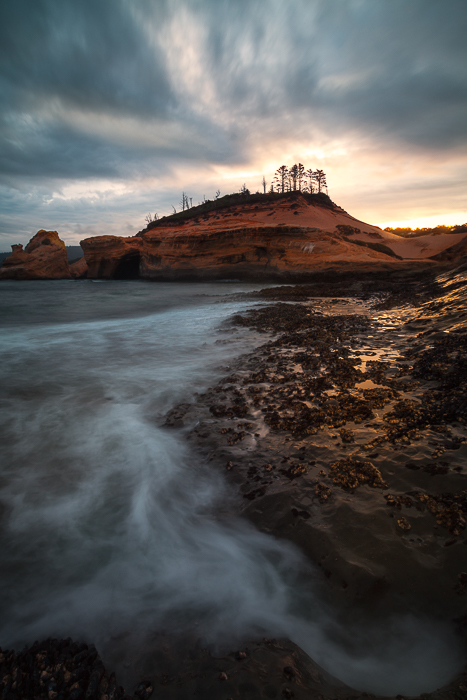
x: 346, y: 434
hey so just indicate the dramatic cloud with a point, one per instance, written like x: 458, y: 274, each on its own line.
x: 109, y: 108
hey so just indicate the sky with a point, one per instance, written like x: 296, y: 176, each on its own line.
x: 110, y: 109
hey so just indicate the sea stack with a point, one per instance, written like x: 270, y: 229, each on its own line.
x: 44, y: 258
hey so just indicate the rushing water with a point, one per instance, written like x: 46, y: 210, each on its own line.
x: 108, y: 522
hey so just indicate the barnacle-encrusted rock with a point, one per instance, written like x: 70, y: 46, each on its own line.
x: 404, y: 524
x: 296, y: 470
x: 323, y: 492
x: 60, y: 669
x: 347, y: 435
x: 351, y: 473
x: 449, y: 509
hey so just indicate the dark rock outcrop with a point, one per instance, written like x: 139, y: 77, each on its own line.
x: 454, y: 252
x: 58, y: 669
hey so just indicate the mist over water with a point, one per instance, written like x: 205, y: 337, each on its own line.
x: 110, y: 524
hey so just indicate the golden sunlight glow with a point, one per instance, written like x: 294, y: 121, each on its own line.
x: 427, y: 221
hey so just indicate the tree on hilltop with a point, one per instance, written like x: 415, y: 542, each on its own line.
x: 309, y: 179
x: 319, y: 177
x: 300, y: 175
x: 281, y: 177
x: 296, y: 178
x: 150, y: 218
x: 293, y: 177
x: 285, y: 180
x: 184, y: 203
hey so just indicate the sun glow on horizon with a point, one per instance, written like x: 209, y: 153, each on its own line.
x: 427, y: 221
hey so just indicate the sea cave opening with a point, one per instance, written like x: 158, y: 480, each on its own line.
x: 128, y: 267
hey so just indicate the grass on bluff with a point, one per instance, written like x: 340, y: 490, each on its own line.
x: 236, y: 199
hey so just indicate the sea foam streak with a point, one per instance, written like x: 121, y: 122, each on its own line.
x: 109, y: 521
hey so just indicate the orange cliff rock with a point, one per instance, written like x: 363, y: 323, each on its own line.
x: 277, y: 238
x: 112, y: 257
x: 43, y: 258
x: 79, y: 268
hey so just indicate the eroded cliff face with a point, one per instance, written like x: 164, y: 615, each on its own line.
x: 264, y: 252
x: 269, y: 252
x: 279, y: 240
x: 43, y: 258
x: 271, y: 239
x: 113, y: 257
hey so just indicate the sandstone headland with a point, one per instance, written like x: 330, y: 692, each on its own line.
x: 272, y: 237
x: 281, y: 237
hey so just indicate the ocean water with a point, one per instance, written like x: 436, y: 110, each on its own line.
x: 108, y: 522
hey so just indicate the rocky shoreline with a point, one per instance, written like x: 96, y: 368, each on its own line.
x: 343, y: 395
x: 56, y: 669
x: 345, y: 432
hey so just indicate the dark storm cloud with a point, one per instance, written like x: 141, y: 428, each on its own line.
x: 89, y: 54
x: 56, y: 152
x: 41, y: 149
x: 86, y: 55
x: 415, y: 54
x: 395, y: 68
x: 112, y: 89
